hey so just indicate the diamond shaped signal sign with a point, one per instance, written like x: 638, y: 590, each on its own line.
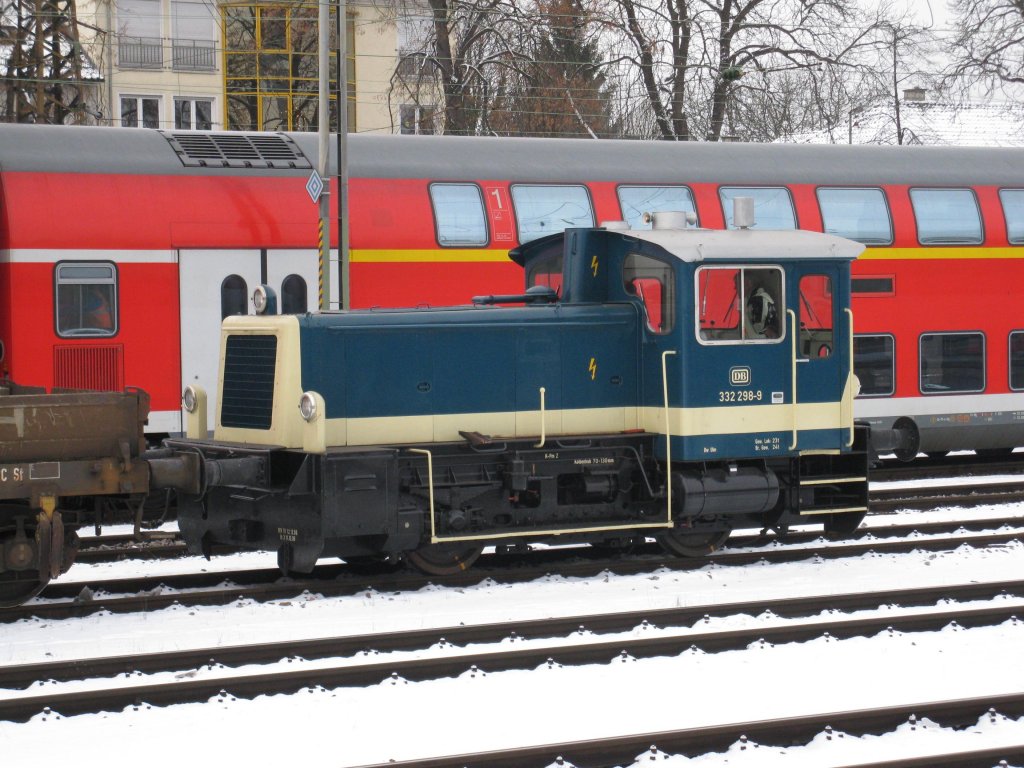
x: 315, y: 186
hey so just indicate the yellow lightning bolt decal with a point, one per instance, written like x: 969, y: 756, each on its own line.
x: 593, y: 264
x: 593, y: 365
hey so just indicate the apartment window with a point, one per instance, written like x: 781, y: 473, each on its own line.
x: 86, y: 299
x: 546, y: 209
x: 1013, y: 209
x: 874, y: 363
x: 416, y: 118
x: 859, y: 214
x: 140, y: 112
x: 193, y: 40
x: 636, y: 201
x: 139, y: 44
x: 773, y: 206
x: 952, y: 362
x: 459, y: 213
x: 193, y: 114
x: 271, y: 67
x: 946, y: 216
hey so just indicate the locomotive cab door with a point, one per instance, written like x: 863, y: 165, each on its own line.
x: 820, y: 351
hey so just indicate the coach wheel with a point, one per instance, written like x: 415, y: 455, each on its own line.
x: 692, y: 543
x: 19, y: 587
x: 445, y: 559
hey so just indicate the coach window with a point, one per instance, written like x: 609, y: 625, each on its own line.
x: 773, y: 206
x: 859, y: 214
x: 1017, y: 360
x: 459, y: 214
x: 546, y: 209
x: 234, y: 296
x: 874, y: 363
x: 636, y: 201
x: 652, y: 282
x: 293, y: 295
x: 1013, y: 209
x: 946, y: 216
x: 86, y: 299
x: 740, y: 304
x: 952, y: 362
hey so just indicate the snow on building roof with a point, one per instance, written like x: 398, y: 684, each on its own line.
x: 933, y: 123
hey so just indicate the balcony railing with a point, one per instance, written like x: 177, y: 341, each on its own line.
x: 194, y: 55
x: 140, y: 53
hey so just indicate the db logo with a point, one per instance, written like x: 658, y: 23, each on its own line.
x: 739, y: 376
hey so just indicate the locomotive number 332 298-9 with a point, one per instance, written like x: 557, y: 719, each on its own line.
x: 740, y: 396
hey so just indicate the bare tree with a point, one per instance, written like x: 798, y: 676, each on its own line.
x: 691, y: 59
x: 987, y: 48
x: 457, y: 53
x: 46, y: 77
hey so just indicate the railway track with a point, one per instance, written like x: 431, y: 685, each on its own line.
x: 445, y: 652
x: 782, y: 732
x: 161, y: 545
x: 69, y: 599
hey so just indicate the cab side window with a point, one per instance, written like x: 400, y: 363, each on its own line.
x: 740, y: 304
x: 653, y: 282
x: 816, y: 322
x: 86, y: 299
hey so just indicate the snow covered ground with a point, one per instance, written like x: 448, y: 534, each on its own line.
x: 398, y: 720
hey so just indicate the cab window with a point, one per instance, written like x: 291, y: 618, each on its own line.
x: 86, y: 299
x: 816, y: 321
x: 546, y: 269
x: 652, y: 282
x: 740, y: 304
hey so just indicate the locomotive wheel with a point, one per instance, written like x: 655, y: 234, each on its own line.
x: 18, y: 587
x: 445, y: 559
x: 692, y: 543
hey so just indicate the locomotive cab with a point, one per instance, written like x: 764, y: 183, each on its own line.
x: 674, y: 383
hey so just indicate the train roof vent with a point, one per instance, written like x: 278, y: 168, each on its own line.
x: 237, y: 150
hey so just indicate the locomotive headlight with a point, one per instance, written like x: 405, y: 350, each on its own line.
x: 264, y: 300
x: 307, y: 406
x: 189, y: 399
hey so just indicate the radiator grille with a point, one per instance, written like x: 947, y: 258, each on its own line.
x: 247, y: 397
x: 97, y: 368
x: 237, y: 150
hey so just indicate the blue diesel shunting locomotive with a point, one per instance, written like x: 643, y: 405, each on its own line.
x: 673, y: 383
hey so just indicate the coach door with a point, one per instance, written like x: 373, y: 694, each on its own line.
x: 214, y: 284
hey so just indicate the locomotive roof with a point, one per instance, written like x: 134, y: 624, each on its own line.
x: 84, y: 149
x: 745, y: 245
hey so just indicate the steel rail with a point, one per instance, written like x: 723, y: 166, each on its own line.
x: 73, y: 599
x: 623, y: 750
x: 507, y: 657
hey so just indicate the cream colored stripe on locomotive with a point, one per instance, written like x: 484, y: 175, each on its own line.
x: 406, y: 430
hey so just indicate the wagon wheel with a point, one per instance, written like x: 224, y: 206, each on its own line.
x: 692, y: 543
x: 17, y: 587
x: 445, y: 559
